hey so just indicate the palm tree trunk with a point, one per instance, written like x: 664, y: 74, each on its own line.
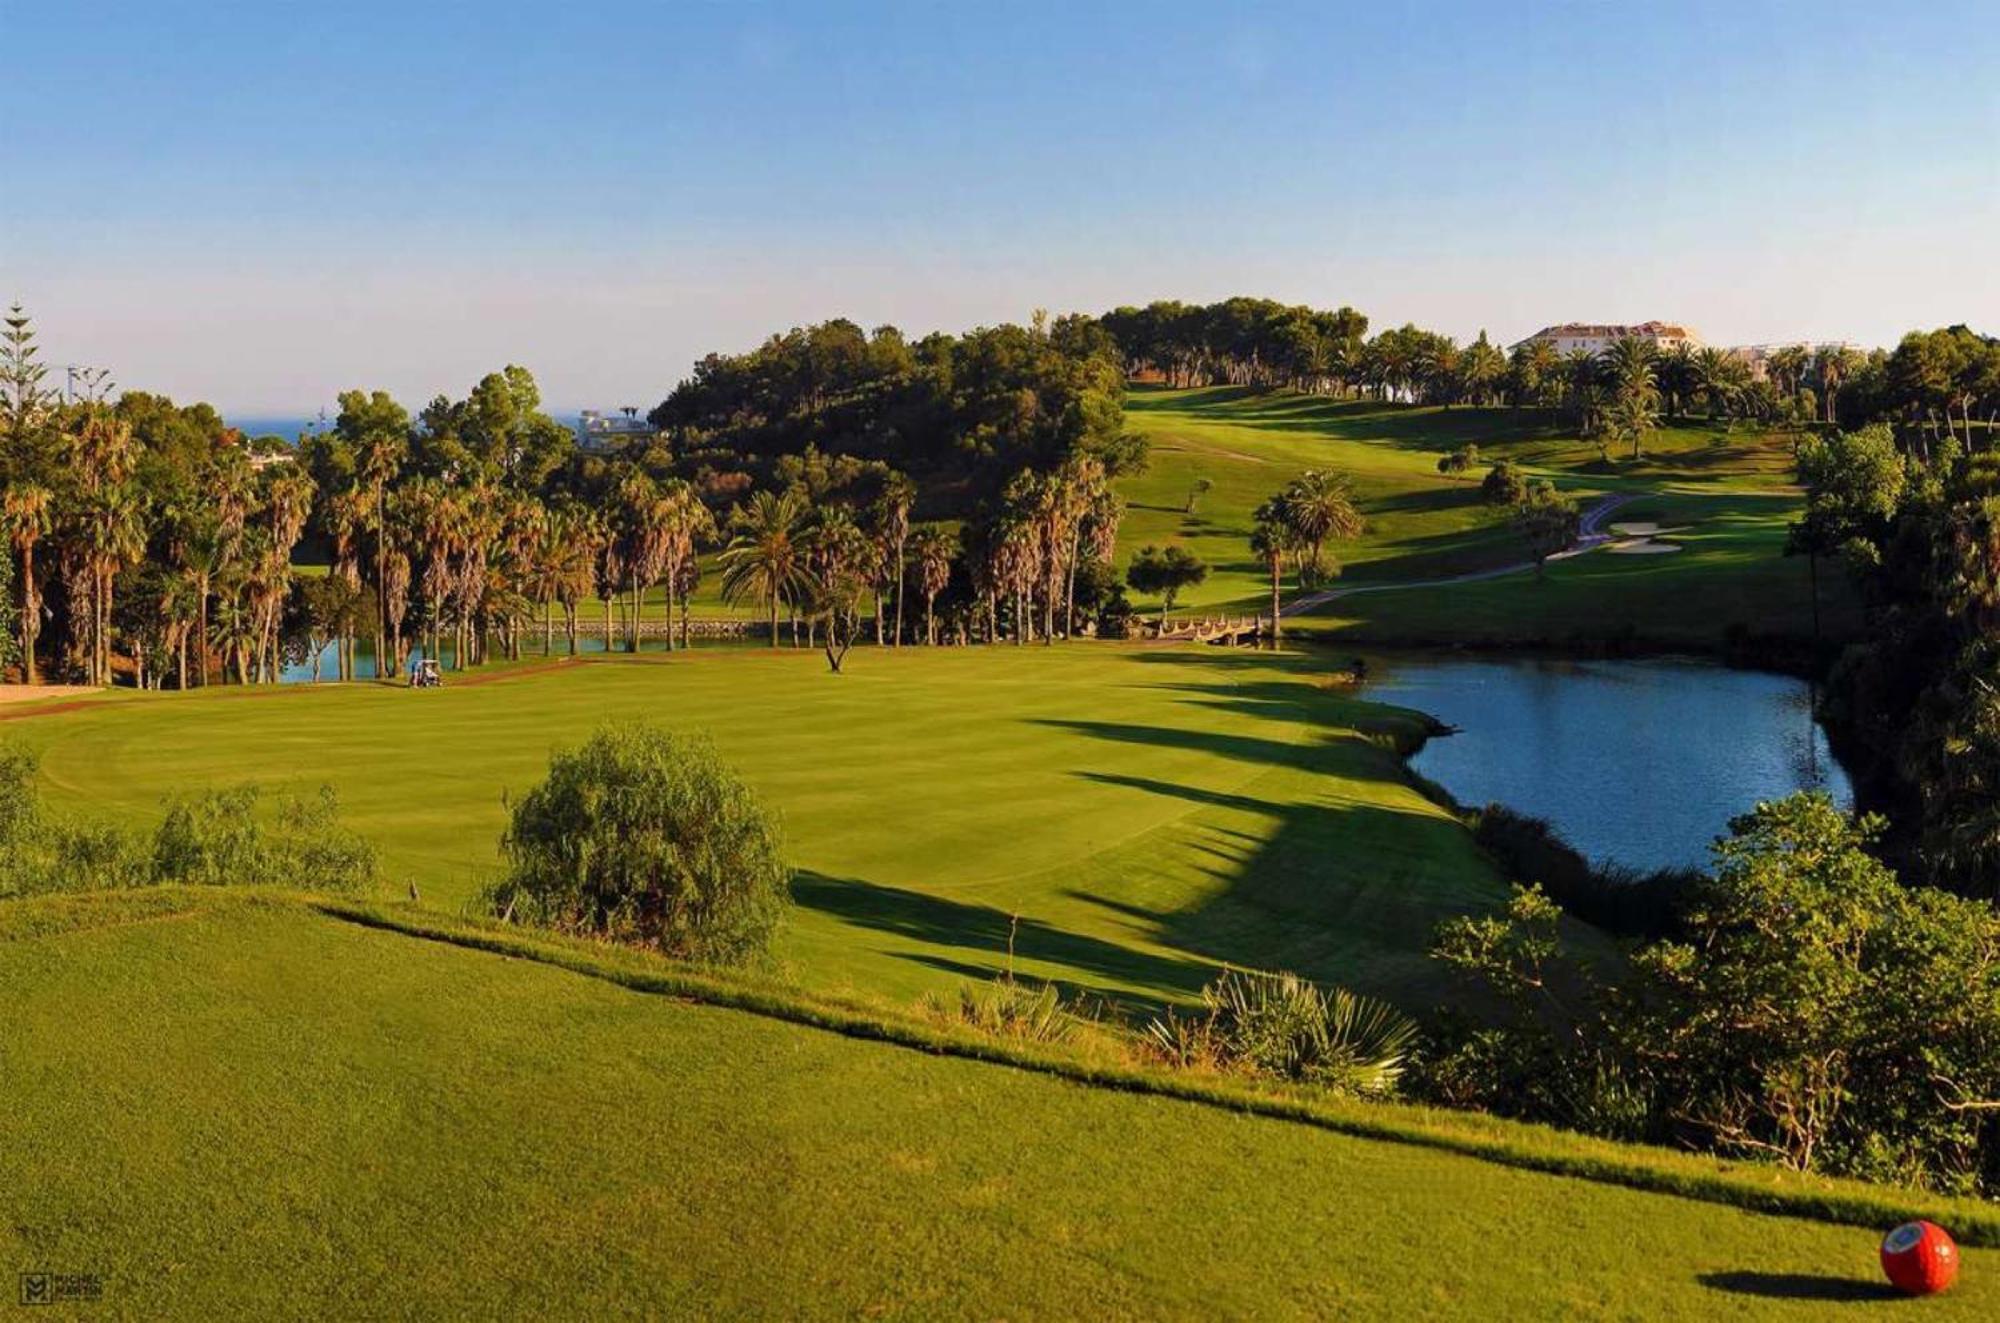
x: 897, y: 641
x: 930, y: 620
x: 774, y: 622
x: 1276, y: 584
x: 30, y: 612
x: 1069, y: 584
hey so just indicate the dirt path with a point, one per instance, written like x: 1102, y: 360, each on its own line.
x: 1590, y: 536
x: 11, y: 694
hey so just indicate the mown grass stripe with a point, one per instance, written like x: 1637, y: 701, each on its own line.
x: 1758, y: 1188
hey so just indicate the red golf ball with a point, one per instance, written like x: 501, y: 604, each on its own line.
x: 1920, y: 1258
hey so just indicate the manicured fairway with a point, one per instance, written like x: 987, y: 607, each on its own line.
x: 1731, y: 571
x: 1145, y: 811
x: 261, y: 1111
x: 1730, y: 487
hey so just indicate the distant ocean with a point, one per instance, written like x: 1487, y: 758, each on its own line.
x: 289, y: 426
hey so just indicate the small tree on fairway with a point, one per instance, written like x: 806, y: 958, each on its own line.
x: 1199, y: 488
x: 1458, y: 462
x: 1548, y: 520
x: 645, y: 837
x: 1503, y: 484
x: 840, y: 568
x: 1163, y: 572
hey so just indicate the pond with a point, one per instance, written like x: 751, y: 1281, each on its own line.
x: 1640, y: 762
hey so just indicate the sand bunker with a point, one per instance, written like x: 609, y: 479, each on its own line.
x: 1643, y: 547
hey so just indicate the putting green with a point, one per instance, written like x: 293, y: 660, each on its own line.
x: 1126, y: 817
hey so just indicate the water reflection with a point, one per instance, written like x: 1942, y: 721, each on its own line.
x: 1643, y: 762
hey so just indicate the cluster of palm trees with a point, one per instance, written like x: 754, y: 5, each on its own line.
x: 817, y: 562
x: 203, y: 562
x: 1292, y: 528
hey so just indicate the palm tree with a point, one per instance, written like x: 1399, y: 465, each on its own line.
x: 1320, y: 505
x: 1677, y: 376
x: 227, y: 487
x: 1834, y: 364
x: 345, y: 514
x: 114, y: 537
x: 1633, y: 413
x: 233, y: 633
x: 892, y: 511
x: 685, y: 523
x: 1273, y: 540
x: 934, y: 547
x: 1631, y: 363
x: 1086, y: 497
x: 378, y: 454
x: 26, y: 511
x: 642, y: 518
x: 1714, y: 381
x: 838, y: 558
x: 763, y: 559
x: 686, y: 579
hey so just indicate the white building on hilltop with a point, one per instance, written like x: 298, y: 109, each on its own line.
x: 598, y: 432
x: 1596, y: 337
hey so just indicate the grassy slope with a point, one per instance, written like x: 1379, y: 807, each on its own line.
x: 1147, y: 812
x: 1728, y: 488
x: 264, y: 1108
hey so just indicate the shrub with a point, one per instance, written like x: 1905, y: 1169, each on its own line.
x: 214, y: 838
x: 1008, y: 1009
x: 1617, y: 899
x: 1458, y: 462
x: 20, y: 802
x: 1284, y: 1026
x: 644, y: 837
x: 1504, y: 484
x: 1816, y: 1011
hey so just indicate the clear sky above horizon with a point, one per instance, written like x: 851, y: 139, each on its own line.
x: 263, y: 204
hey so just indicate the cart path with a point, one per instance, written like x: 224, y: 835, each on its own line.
x: 1590, y: 536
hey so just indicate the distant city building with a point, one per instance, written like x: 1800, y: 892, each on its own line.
x: 1758, y: 357
x: 1595, y: 338
x: 598, y: 432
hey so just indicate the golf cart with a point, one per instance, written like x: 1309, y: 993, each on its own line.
x: 425, y: 675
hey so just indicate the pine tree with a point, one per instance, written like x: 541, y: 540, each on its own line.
x: 22, y: 396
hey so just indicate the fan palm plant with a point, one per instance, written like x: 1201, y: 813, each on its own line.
x: 1319, y: 505
x: 763, y: 561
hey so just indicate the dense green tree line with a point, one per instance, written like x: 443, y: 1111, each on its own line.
x: 847, y: 476
x: 1936, y: 379
x: 156, y: 542
x: 1913, y: 517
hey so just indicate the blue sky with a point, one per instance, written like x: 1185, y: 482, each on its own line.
x: 263, y: 203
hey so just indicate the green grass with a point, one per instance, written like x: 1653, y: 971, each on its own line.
x: 269, y: 1112
x: 1731, y: 571
x: 1146, y: 812
x: 1730, y: 487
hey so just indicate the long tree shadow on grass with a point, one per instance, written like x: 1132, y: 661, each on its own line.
x: 1341, y: 874
x: 974, y: 941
